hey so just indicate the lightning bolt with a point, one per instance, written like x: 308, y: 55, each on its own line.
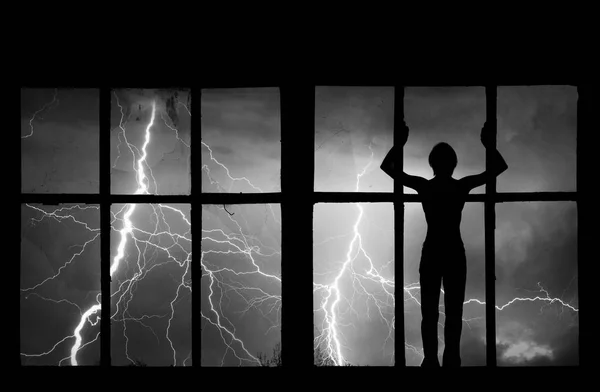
x: 176, y: 244
x: 247, y: 274
x: 223, y: 282
x: 330, y: 340
x: 226, y: 282
x: 32, y: 119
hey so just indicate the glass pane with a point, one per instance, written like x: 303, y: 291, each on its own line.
x: 353, y: 284
x: 59, y: 140
x: 537, y: 284
x: 472, y: 337
x: 353, y: 132
x: 537, y: 131
x: 241, y: 285
x: 60, y: 284
x: 454, y: 115
x: 150, y: 142
x: 241, y: 132
x: 151, y: 250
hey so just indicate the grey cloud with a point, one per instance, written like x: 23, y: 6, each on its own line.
x: 252, y: 113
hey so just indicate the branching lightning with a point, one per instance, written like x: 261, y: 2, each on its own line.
x: 223, y: 281
x: 32, y: 119
x: 330, y: 338
x: 161, y: 239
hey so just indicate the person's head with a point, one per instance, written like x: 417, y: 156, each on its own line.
x: 443, y: 160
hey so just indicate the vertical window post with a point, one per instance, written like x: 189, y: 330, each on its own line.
x: 399, y: 229
x: 297, y: 186
x: 196, y: 217
x: 105, y: 218
x: 490, y: 225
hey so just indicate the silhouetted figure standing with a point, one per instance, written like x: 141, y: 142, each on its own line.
x: 443, y: 256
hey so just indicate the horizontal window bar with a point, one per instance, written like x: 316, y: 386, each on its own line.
x: 388, y: 197
x: 275, y: 198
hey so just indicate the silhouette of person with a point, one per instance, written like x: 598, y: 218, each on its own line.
x: 443, y: 254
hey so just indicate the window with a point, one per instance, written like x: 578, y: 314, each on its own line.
x: 241, y: 243
x: 288, y: 199
x: 349, y: 129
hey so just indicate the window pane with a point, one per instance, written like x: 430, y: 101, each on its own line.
x: 472, y: 342
x: 241, y: 285
x: 353, y: 285
x: 59, y: 140
x: 60, y: 284
x: 151, y: 250
x: 353, y: 126
x: 537, y: 129
x: 241, y: 132
x: 454, y: 115
x: 537, y: 284
x: 150, y: 142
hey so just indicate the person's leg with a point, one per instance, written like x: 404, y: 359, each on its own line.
x: 455, y: 279
x: 431, y: 281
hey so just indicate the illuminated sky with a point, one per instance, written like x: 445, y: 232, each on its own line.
x: 59, y: 148
x: 49, y: 313
x: 241, y: 292
x: 536, y: 242
x: 168, y: 157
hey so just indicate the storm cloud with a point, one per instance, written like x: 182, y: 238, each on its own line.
x: 536, y: 243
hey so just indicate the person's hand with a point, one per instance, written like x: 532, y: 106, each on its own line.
x: 487, y: 135
x: 403, y: 133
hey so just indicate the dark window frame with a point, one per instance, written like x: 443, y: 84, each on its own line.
x: 297, y: 199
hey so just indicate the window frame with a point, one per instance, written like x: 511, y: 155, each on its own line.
x: 490, y: 198
x: 297, y: 199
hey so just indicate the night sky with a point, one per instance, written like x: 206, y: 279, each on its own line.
x: 167, y: 157
x: 51, y: 311
x: 536, y: 242
x: 148, y: 295
x: 242, y: 128
x: 241, y: 260
x: 59, y: 147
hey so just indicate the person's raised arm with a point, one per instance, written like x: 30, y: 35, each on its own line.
x: 389, y: 167
x: 498, y: 164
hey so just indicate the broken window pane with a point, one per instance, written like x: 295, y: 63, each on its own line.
x: 537, y: 284
x: 241, y: 285
x: 150, y: 142
x: 60, y: 284
x: 353, y: 284
x: 537, y: 130
x: 241, y: 132
x: 59, y: 140
x: 353, y: 133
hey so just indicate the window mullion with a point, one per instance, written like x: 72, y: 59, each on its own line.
x: 196, y: 216
x: 399, y: 232
x: 490, y: 224
x: 297, y: 185
x: 105, y: 218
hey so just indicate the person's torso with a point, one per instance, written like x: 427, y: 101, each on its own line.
x: 443, y: 202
